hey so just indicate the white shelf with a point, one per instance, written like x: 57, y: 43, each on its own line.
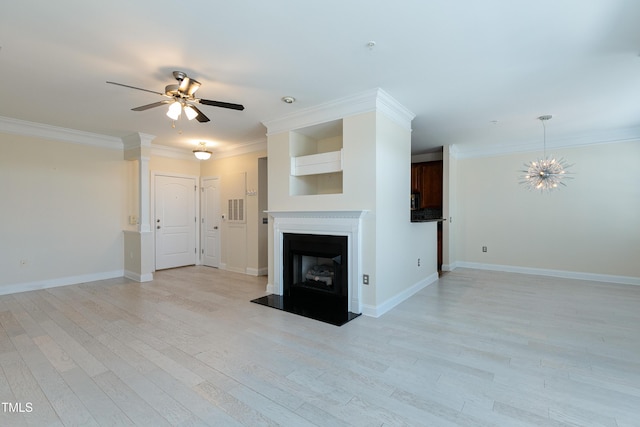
x: 316, y: 164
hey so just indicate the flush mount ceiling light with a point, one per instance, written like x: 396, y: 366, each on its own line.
x: 201, y: 152
x: 547, y: 173
x: 288, y: 99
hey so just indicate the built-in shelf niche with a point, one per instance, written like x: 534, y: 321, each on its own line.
x: 316, y: 159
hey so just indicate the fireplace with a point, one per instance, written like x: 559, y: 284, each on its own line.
x: 316, y: 264
x: 315, y: 273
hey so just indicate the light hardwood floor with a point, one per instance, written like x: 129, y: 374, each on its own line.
x: 475, y: 349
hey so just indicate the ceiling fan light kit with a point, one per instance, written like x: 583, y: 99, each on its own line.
x: 175, y: 109
x: 190, y: 112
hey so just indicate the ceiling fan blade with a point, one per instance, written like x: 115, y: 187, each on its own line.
x: 221, y: 104
x: 133, y: 87
x: 200, y: 117
x: 155, y: 104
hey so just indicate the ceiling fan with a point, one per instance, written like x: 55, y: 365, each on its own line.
x: 181, y: 98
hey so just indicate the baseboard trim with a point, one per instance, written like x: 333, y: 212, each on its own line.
x: 234, y: 269
x: 148, y: 277
x: 263, y: 271
x: 449, y: 267
x: 62, y: 281
x: 624, y: 280
x: 380, y: 309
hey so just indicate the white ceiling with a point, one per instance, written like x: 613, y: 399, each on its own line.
x: 458, y: 65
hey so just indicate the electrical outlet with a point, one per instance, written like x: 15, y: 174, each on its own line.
x: 484, y: 249
x: 365, y: 279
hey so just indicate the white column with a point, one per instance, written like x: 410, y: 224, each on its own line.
x: 139, y: 251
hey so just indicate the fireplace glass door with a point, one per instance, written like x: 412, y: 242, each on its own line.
x: 315, y: 265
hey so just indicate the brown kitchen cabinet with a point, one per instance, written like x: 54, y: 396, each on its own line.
x: 426, y: 179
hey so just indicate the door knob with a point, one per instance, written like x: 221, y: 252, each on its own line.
x: 215, y: 227
x: 158, y: 227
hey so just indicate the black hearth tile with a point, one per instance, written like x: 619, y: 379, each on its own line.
x: 304, y: 308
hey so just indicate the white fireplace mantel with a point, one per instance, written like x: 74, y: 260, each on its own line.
x: 337, y: 223
x: 317, y: 214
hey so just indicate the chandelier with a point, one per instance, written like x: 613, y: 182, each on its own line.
x: 547, y: 173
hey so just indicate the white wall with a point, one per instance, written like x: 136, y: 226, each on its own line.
x: 64, y: 207
x: 358, y: 170
x: 263, y: 205
x: 241, y: 243
x: 376, y: 178
x: 399, y: 242
x: 358, y: 191
x: 159, y: 164
x: 591, y: 226
x: 449, y: 209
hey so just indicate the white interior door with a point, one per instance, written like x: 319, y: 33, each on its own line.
x: 211, y: 222
x: 175, y: 221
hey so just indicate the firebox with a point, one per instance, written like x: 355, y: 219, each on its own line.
x: 315, y: 265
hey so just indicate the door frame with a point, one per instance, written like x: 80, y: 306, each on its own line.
x: 152, y: 209
x: 201, y: 229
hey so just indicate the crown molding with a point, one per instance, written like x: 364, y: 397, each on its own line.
x: 137, y: 140
x: 172, y: 152
x: 364, y: 102
x: 187, y: 154
x: 469, y: 151
x: 397, y: 112
x: 243, y: 148
x: 39, y: 130
x: 454, y: 151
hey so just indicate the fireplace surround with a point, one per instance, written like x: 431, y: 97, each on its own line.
x: 330, y: 232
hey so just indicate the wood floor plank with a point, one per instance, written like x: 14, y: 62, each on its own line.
x: 235, y: 408
x: 10, y: 324
x: 178, y: 371
x: 198, y: 406
x: 97, y: 402
x: 68, y: 407
x: 127, y: 365
x: 204, y: 371
x: 12, y: 373
x: 136, y: 408
x: 269, y: 408
x: 476, y: 348
x: 74, y: 349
